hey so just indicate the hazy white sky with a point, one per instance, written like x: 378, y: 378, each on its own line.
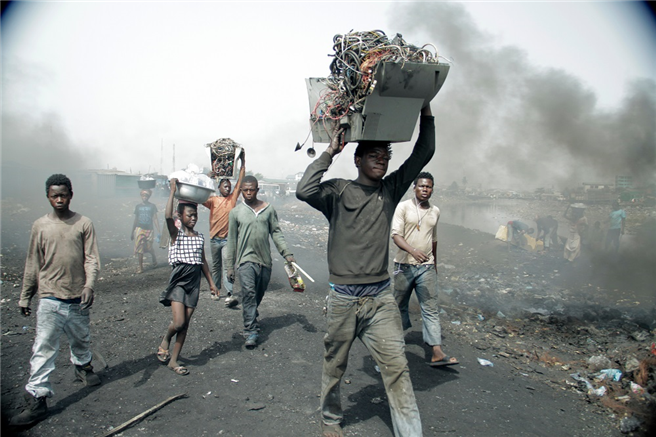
x: 123, y: 78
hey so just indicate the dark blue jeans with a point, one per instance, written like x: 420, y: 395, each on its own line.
x: 253, y: 279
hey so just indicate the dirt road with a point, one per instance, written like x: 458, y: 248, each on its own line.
x: 540, y: 338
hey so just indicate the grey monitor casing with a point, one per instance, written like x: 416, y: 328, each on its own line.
x: 390, y: 112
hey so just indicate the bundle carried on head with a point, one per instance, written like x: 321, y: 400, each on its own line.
x: 223, y: 156
x: 356, y: 59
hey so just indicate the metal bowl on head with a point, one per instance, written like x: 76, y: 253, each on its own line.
x: 192, y: 193
x: 146, y: 184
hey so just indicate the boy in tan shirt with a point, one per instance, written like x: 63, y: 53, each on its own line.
x: 62, y: 265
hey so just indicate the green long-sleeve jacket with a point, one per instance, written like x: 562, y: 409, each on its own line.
x: 248, y: 236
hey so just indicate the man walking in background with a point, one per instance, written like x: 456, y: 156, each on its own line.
x: 220, y: 207
x: 62, y: 265
x: 414, y: 231
x: 249, y: 253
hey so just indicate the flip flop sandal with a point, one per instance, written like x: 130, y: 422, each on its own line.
x: 446, y: 361
x: 180, y: 370
x: 163, y: 355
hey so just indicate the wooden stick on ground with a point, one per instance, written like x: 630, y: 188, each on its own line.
x: 136, y: 419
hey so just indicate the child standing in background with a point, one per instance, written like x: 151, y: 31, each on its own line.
x: 143, y: 229
x: 187, y: 257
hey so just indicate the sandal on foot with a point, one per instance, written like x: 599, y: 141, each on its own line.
x: 446, y: 361
x: 214, y: 297
x: 331, y: 430
x: 163, y: 355
x: 180, y: 370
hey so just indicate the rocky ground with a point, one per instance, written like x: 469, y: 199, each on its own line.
x: 537, y: 319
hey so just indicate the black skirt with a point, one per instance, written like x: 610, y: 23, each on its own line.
x: 184, y: 285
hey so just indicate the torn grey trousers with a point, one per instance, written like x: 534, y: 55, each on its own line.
x: 376, y: 321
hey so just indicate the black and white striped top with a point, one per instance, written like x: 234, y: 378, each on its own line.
x: 187, y: 250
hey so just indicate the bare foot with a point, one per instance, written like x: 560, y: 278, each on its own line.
x: 331, y: 430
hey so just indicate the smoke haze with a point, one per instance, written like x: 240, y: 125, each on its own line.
x: 504, y: 122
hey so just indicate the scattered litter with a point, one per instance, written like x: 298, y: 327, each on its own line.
x: 501, y: 315
x: 455, y: 322
x: 207, y: 394
x: 599, y: 391
x: 637, y: 388
x: 581, y: 380
x: 377, y: 400
x: 613, y: 374
x: 639, y: 335
x: 598, y: 362
x: 484, y: 362
x: 480, y: 317
x: 377, y: 369
x: 234, y: 380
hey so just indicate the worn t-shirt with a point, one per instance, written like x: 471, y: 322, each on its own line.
x: 418, y: 227
x: 145, y: 213
x: 220, y: 208
x: 62, y: 259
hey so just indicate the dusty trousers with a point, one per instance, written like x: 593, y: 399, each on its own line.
x: 254, y: 279
x: 54, y: 318
x: 376, y: 321
x: 423, y: 280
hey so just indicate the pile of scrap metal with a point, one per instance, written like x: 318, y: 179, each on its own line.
x: 223, y: 154
x: 356, y: 59
x: 376, y: 88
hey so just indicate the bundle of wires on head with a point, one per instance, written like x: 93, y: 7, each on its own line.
x: 356, y: 59
x: 223, y: 157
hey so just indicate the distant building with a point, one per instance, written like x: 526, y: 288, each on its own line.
x: 295, y: 177
x: 623, y: 182
x: 595, y: 186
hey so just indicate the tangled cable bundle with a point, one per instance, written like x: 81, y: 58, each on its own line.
x: 223, y: 156
x: 356, y: 59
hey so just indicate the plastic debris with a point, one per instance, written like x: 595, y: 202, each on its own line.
x: 484, y: 362
x: 455, y: 322
x: 501, y: 315
x: 637, y: 388
x: 598, y: 362
x: 377, y: 369
x: 480, y: 317
x: 599, y: 391
x: 577, y: 377
x: 613, y: 374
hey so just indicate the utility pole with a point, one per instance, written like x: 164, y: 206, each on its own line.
x: 161, y: 158
x: 173, y: 158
